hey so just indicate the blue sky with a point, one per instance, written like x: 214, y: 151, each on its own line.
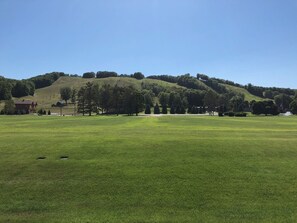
x: 247, y: 41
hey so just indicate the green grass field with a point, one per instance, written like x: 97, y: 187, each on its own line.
x: 148, y: 169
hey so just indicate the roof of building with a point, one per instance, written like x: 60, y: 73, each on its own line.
x: 23, y: 102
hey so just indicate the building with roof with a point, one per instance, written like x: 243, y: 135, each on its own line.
x: 25, y: 107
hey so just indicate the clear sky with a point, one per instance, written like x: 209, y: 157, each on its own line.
x: 246, y: 41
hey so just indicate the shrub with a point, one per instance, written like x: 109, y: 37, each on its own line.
x: 231, y: 114
x: 201, y: 110
x: 221, y: 114
x: 194, y: 110
x: 156, y: 109
x: 9, y: 107
x: 147, y: 109
x: 49, y: 112
x: 241, y: 114
x: 40, y: 112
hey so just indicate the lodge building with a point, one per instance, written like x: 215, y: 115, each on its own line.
x: 25, y: 107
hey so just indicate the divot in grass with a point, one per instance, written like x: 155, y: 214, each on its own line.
x: 41, y: 158
x: 64, y: 157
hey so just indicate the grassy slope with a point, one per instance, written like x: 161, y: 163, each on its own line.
x: 138, y: 169
x: 50, y: 95
x: 238, y: 90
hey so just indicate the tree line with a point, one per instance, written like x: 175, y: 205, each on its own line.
x: 92, y: 99
x: 105, y: 74
x: 20, y: 88
x: 129, y: 100
x: 15, y: 88
x: 105, y: 100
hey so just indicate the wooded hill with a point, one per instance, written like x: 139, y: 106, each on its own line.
x: 188, y: 90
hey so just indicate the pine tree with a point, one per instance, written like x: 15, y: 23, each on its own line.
x: 89, y: 98
x: 172, y: 109
x: 147, y: 109
x: 81, y: 96
x: 164, y: 110
x: 178, y: 110
x: 182, y: 110
x: 156, y: 109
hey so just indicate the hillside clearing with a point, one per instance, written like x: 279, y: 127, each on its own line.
x: 237, y: 90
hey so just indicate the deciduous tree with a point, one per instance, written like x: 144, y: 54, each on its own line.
x: 210, y: 100
x: 66, y: 94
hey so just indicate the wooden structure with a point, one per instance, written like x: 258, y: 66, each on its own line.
x: 25, y: 107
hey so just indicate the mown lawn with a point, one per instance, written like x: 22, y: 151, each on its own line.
x: 148, y: 169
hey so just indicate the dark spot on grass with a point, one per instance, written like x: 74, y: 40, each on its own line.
x: 64, y: 157
x: 41, y: 158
